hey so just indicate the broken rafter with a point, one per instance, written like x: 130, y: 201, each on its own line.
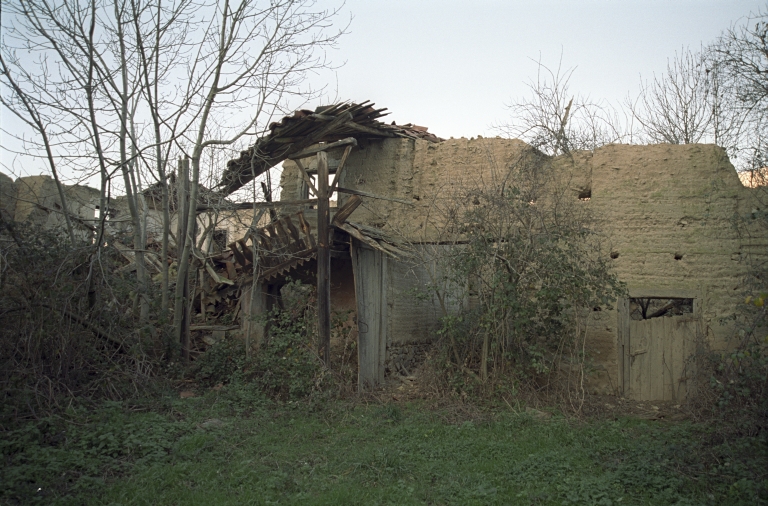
x: 340, y: 169
x: 346, y: 210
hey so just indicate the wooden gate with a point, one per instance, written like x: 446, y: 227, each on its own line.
x: 657, y: 355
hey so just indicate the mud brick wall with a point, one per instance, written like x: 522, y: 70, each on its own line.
x: 671, y: 217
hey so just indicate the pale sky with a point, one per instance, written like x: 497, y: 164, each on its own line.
x: 454, y: 65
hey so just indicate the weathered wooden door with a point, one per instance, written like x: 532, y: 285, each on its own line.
x: 658, y: 357
x: 370, y: 271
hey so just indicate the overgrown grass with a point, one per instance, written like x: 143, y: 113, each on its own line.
x: 233, y: 447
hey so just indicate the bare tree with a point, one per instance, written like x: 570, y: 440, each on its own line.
x: 24, y: 107
x: 250, y: 55
x: 185, y: 68
x: 556, y: 121
x: 679, y: 106
x: 739, y: 57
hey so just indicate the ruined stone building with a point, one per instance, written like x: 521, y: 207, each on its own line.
x: 671, y: 218
x: 35, y: 199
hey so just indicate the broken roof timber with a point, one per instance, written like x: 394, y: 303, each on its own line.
x: 295, y: 133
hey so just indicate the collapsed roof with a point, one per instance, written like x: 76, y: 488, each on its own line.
x: 305, y: 128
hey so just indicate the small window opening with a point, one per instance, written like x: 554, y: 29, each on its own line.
x: 646, y: 308
x: 585, y: 194
x: 220, y: 239
x: 306, y: 193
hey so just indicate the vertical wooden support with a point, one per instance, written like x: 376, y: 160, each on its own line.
x: 253, y: 300
x: 370, y: 271
x: 182, y: 206
x: 202, y: 293
x: 622, y: 326
x: 323, y: 261
x: 182, y: 190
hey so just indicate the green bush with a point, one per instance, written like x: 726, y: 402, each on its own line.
x: 531, y: 265
x: 66, y: 327
x: 740, y: 376
x: 285, y: 367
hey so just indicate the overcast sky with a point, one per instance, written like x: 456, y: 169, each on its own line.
x: 453, y: 65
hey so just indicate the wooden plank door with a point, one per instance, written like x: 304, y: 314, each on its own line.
x: 659, y: 358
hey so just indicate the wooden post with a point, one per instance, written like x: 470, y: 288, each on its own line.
x: 182, y: 190
x: 323, y: 261
x: 182, y: 206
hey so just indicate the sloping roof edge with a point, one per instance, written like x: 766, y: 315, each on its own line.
x: 304, y: 128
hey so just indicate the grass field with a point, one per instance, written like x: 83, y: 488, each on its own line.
x: 232, y: 447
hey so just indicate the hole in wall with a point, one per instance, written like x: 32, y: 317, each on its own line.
x: 645, y: 308
x: 614, y: 254
x: 585, y: 194
x: 678, y: 256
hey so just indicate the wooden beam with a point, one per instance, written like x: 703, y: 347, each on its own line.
x: 258, y: 205
x: 322, y: 132
x: 368, y: 130
x: 238, y: 255
x: 218, y: 279
x: 323, y: 261
x: 339, y: 169
x: 268, y: 198
x: 214, y: 327
x: 306, y: 230
x: 346, y: 210
x: 349, y: 141
x: 247, y: 253
x: 292, y: 229
x: 371, y: 195
x: 306, y: 177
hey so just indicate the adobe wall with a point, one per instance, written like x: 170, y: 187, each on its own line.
x: 416, y: 171
x: 653, y: 204
x: 7, y: 197
x: 35, y: 199
x: 671, y: 215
